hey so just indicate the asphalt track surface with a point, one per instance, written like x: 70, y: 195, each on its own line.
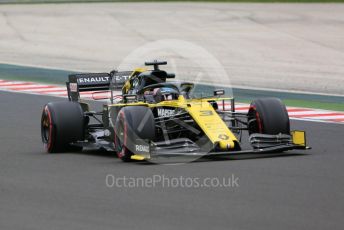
x: 276, y: 46
x: 303, y: 190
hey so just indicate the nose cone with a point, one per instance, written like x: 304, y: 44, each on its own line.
x: 226, y: 145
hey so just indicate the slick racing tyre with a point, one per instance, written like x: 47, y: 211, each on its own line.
x: 268, y: 116
x: 133, y: 123
x: 62, y: 123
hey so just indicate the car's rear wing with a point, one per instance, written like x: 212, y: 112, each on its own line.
x: 95, y: 82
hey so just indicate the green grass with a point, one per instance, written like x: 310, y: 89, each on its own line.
x: 315, y: 104
x: 304, y: 104
x: 41, y: 75
x: 88, y: 1
x: 293, y: 99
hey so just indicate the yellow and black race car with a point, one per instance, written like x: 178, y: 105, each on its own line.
x: 158, y: 117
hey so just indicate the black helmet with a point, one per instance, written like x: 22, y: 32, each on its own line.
x: 165, y: 94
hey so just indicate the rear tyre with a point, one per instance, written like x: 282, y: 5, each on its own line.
x: 62, y: 123
x: 268, y: 116
x: 132, y: 123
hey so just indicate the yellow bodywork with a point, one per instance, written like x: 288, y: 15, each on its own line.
x: 211, y: 124
x: 138, y: 157
x: 299, y: 137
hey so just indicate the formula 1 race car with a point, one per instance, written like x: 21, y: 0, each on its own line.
x: 155, y: 116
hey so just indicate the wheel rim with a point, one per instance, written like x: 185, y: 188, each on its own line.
x: 46, y: 129
x: 256, y: 126
x: 122, y: 136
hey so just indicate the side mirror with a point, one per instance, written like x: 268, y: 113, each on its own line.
x: 219, y: 92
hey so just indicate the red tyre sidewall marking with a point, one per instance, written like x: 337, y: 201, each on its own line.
x: 259, y: 121
x: 50, y: 141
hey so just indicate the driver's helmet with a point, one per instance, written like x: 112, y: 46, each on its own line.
x: 165, y: 94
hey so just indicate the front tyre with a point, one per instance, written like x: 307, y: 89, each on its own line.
x: 268, y: 116
x: 133, y: 123
x: 62, y: 123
